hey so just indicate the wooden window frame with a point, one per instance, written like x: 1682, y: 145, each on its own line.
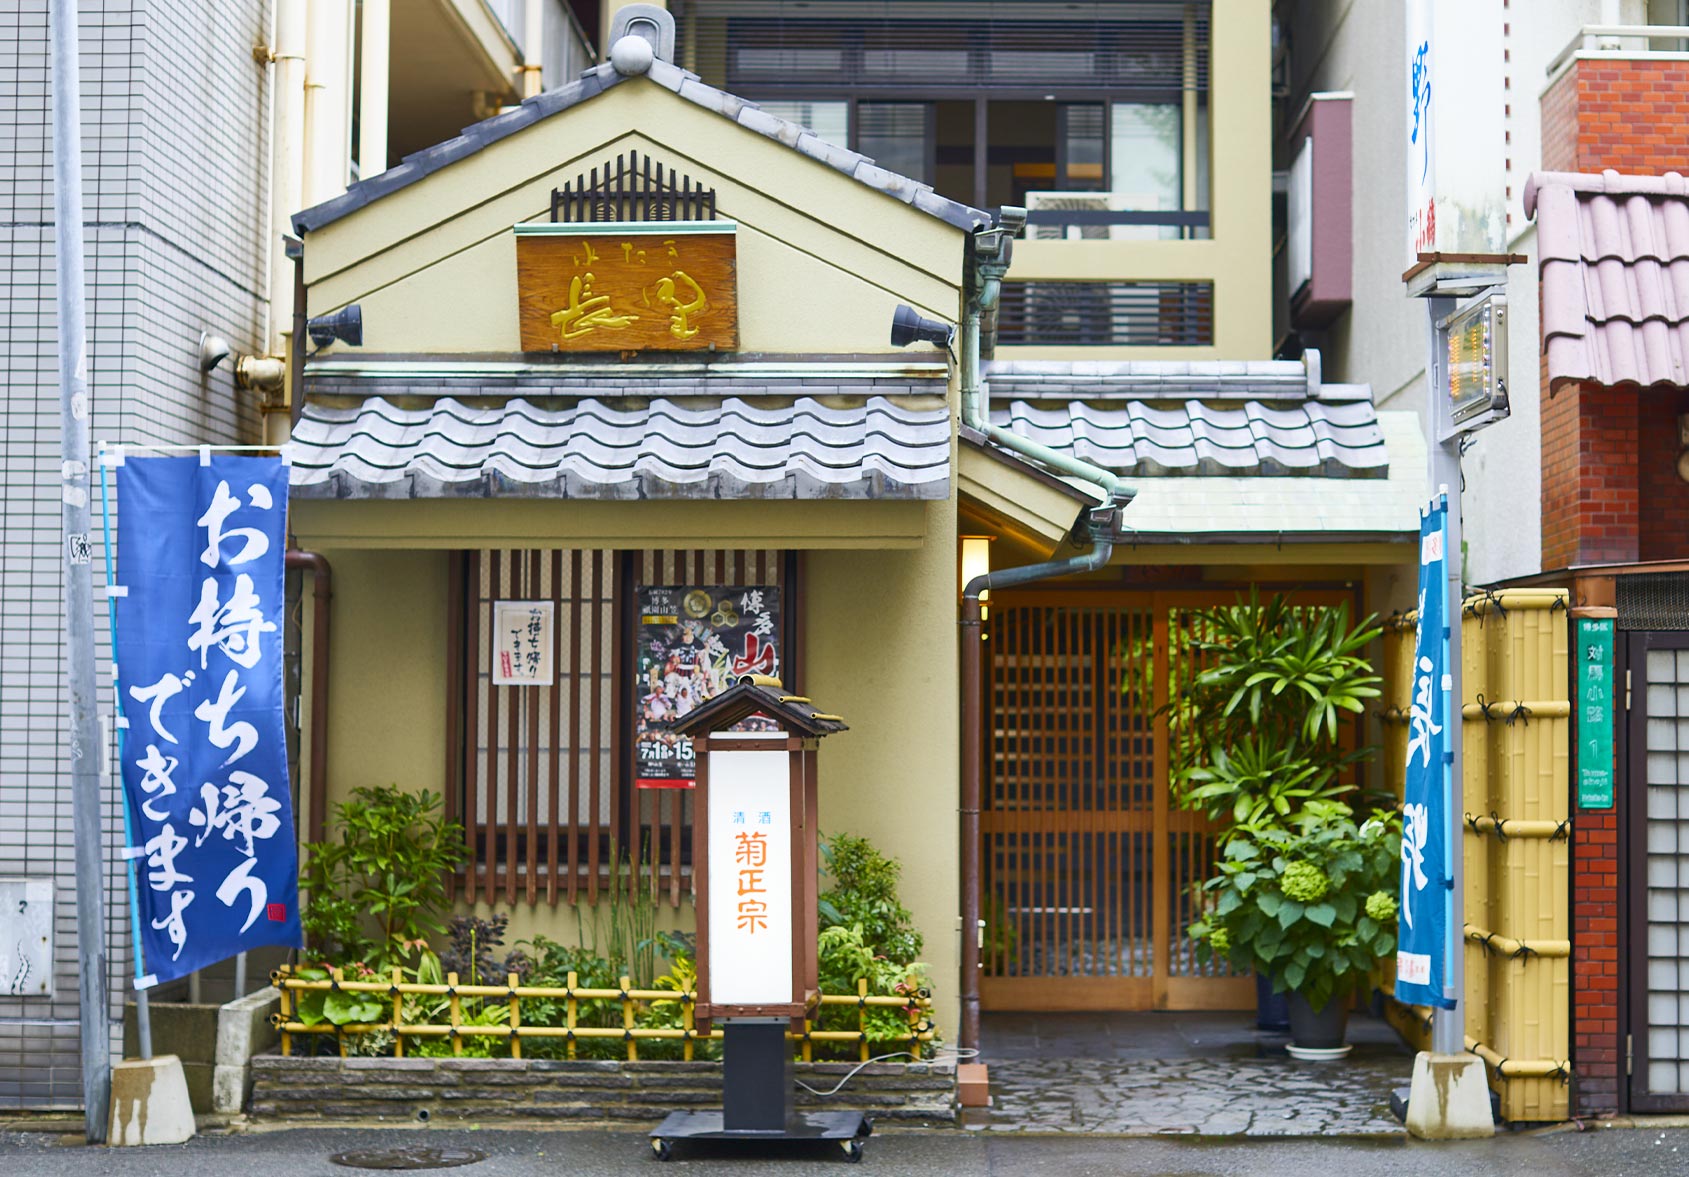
x: 520, y: 857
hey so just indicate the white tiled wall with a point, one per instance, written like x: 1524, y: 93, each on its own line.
x: 174, y: 111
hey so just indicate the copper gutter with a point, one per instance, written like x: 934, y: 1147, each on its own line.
x: 1098, y: 525
x: 322, y: 590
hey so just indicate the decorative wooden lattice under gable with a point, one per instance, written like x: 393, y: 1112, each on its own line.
x: 632, y: 187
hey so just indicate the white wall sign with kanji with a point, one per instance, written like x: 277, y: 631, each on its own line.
x: 523, y: 644
x: 750, y: 874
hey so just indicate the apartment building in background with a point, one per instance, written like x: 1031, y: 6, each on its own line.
x: 205, y: 126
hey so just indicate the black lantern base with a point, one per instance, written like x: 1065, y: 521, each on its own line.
x: 847, y: 1129
x: 757, y: 1098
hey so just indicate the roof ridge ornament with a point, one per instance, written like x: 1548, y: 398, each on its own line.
x: 649, y: 23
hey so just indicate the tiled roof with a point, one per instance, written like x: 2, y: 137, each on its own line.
x: 671, y: 77
x: 1186, y: 510
x: 1251, y: 509
x: 1614, y: 257
x: 873, y: 447
x: 1270, y: 418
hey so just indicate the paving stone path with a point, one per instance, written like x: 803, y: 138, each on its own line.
x: 1202, y: 1074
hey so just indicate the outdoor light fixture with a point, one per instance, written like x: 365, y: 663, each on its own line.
x: 1477, y: 362
x: 346, y: 325
x: 908, y: 327
x: 976, y: 561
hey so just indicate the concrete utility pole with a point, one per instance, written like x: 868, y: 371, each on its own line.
x: 78, y: 572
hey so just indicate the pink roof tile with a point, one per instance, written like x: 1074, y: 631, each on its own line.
x: 1613, y: 253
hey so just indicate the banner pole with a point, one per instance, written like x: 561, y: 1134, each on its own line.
x: 143, y: 1008
x: 1448, y: 1026
x: 84, y: 735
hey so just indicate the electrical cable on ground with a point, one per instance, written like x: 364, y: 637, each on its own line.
x: 959, y: 1053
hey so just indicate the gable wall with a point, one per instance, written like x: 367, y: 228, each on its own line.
x: 823, y: 260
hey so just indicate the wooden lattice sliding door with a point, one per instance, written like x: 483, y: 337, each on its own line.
x: 1091, y: 873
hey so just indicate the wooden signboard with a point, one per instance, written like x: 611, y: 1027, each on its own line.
x: 628, y: 286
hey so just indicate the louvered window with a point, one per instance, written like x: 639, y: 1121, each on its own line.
x: 1107, y: 314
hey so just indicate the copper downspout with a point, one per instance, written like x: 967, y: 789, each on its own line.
x: 322, y: 590
x: 1098, y: 526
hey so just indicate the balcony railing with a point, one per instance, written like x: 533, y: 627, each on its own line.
x: 1665, y: 42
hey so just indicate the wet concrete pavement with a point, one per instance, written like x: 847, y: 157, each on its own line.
x: 305, y: 1152
x: 1210, y: 1074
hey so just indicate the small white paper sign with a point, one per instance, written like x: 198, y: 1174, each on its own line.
x: 522, y: 643
x: 26, y: 937
x: 750, y: 849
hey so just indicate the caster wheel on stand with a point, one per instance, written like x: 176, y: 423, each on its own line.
x: 852, y: 1151
x: 662, y: 1150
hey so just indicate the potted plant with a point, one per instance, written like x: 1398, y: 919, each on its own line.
x: 1256, y: 732
x: 1310, y: 904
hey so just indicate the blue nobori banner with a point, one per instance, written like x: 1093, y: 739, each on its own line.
x: 1423, y: 928
x: 199, y: 604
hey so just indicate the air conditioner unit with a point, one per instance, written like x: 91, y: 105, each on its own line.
x: 1095, y: 202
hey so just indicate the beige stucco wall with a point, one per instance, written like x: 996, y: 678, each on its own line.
x: 879, y: 648
x: 1238, y: 257
x: 823, y: 260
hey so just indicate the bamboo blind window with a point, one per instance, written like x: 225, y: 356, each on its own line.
x: 542, y: 776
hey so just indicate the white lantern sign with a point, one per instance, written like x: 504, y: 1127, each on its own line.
x: 750, y: 883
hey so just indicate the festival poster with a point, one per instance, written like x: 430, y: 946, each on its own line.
x: 695, y: 641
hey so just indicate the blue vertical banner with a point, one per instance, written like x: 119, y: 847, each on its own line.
x: 199, y: 604
x: 1423, y: 930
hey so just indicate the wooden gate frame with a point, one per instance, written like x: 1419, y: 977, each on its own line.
x: 1631, y: 802
x: 1159, y: 990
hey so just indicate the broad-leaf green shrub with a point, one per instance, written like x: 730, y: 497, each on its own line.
x: 378, y: 892
x: 1309, y: 905
x: 863, y: 891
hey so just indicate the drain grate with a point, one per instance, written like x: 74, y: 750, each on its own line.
x: 413, y: 1156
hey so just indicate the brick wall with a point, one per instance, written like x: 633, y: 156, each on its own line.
x: 1610, y: 492
x: 1624, y: 115
x: 1663, y: 497
x: 1596, y: 1052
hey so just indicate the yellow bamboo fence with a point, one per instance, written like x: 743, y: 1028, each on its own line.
x: 1515, y: 647
x: 457, y: 1028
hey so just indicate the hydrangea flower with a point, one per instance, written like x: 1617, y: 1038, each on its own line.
x: 1221, y: 941
x: 1304, y: 882
x: 1381, y: 906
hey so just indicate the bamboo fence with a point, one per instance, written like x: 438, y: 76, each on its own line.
x: 1516, y: 679
x: 456, y: 1029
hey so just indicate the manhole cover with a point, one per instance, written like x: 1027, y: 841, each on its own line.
x: 414, y: 1156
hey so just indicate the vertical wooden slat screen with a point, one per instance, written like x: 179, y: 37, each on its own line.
x: 1092, y: 873
x: 540, y: 776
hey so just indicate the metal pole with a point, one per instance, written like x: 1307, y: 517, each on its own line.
x: 78, y: 572
x: 1448, y: 1026
x: 143, y: 1007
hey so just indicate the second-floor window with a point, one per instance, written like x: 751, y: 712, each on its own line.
x: 1094, y: 116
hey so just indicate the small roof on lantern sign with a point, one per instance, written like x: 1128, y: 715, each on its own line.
x: 759, y: 694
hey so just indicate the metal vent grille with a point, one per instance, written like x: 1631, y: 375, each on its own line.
x: 1654, y: 600
x: 1107, y: 314
x: 923, y: 46
x: 632, y: 188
